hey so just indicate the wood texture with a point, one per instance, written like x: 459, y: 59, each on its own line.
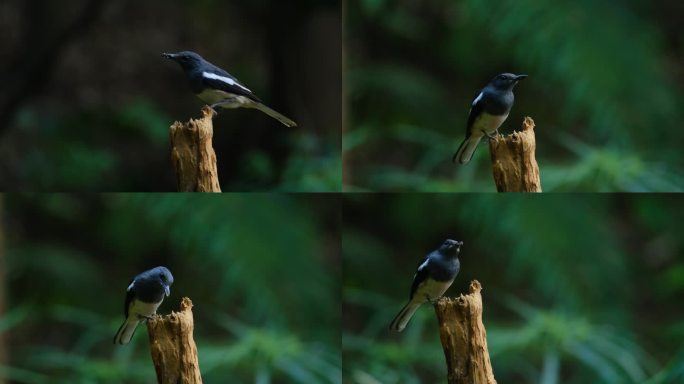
x: 172, y: 346
x: 514, y: 165
x: 193, y: 156
x: 464, y: 338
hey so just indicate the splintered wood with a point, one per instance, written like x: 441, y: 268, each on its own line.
x: 193, y: 156
x: 464, y: 338
x: 514, y: 165
x: 172, y: 346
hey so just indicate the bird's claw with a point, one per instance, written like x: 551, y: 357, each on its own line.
x: 214, y: 111
x: 493, y: 136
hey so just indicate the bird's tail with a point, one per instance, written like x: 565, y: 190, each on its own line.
x: 126, y: 331
x: 402, y: 318
x: 274, y: 114
x: 467, y: 148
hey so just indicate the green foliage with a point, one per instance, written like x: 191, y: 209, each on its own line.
x: 577, y: 288
x: 314, y: 166
x: 86, y: 119
x: 258, y: 268
x: 599, y: 75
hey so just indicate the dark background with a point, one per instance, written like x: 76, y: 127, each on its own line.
x: 263, y: 272
x: 576, y: 288
x: 86, y: 99
x: 605, y: 89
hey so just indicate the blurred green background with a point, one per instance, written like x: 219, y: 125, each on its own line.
x: 576, y: 288
x: 605, y: 88
x: 87, y: 100
x: 263, y: 272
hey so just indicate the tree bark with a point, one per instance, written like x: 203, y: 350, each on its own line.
x: 173, y: 348
x: 464, y: 338
x: 193, y: 156
x: 514, y: 165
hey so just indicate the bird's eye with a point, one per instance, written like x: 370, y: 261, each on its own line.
x: 162, y: 276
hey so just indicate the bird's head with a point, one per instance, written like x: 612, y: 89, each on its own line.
x: 163, y: 277
x: 506, y: 81
x: 186, y: 59
x: 450, y: 247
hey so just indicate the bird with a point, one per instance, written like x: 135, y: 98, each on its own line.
x: 433, y: 277
x: 218, y: 88
x: 143, y: 296
x: 488, y: 111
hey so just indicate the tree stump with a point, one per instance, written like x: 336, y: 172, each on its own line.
x: 514, y: 165
x: 464, y: 338
x: 172, y: 346
x: 192, y: 154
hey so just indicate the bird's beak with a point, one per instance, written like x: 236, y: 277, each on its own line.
x: 169, y: 56
x: 167, y: 289
x: 520, y: 77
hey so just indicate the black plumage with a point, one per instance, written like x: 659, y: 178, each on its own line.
x: 488, y: 111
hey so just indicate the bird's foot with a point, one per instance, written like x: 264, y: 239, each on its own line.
x: 493, y: 136
x: 214, y: 108
x: 431, y: 300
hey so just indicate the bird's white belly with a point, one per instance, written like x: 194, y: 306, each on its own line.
x: 142, y: 309
x: 227, y: 100
x: 488, y: 123
x: 431, y: 289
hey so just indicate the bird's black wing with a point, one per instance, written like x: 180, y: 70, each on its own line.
x: 421, y: 275
x: 475, y: 111
x: 130, y: 295
x: 217, y: 78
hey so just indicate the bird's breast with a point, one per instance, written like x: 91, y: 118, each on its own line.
x: 443, y: 269
x: 211, y: 96
x: 432, y: 289
x: 142, y: 309
x: 488, y: 123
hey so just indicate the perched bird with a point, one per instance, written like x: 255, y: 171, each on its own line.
x: 488, y: 111
x: 218, y: 88
x: 434, y: 276
x: 143, y: 296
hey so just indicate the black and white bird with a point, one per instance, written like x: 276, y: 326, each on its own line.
x: 434, y: 276
x: 488, y: 111
x: 218, y: 88
x: 143, y: 296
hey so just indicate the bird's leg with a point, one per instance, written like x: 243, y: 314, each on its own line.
x: 213, y: 108
x: 494, y: 135
x: 430, y: 300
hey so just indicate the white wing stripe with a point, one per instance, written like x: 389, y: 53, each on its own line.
x: 224, y: 79
x: 425, y: 263
x: 478, y: 98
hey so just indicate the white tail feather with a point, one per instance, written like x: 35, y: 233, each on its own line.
x: 403, y: 317
x: 467, y: 148
x: 286, y: 121
x: 126, y: 331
